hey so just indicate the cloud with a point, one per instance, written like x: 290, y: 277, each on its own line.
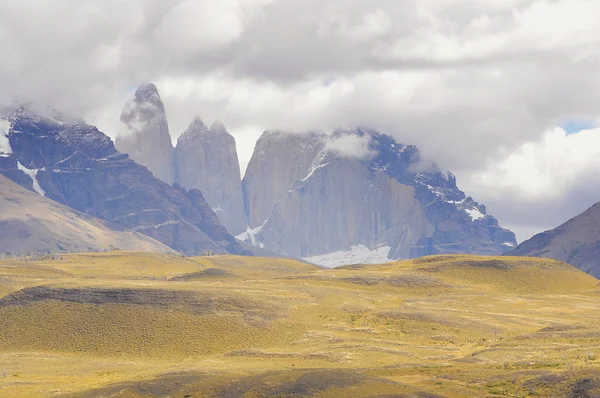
x: 372, y: 25
x: 468, y: 81
x: 350, y: 146
x: 543, y: 183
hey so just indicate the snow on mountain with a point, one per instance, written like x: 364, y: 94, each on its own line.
x: 359, y: 254
x: 475, y: 214
x: 33, y: 174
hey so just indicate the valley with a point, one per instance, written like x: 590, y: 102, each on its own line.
x: 128, y: 324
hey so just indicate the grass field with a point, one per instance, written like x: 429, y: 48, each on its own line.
x: 145, y: 325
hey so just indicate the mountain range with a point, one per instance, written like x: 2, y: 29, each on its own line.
x: 74, y: 164
x: 353, y: 196
x: 304, y: 196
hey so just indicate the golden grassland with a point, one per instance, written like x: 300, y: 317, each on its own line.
x: 144, y: 325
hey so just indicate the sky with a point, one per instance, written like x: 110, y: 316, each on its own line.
x: 504, y: 93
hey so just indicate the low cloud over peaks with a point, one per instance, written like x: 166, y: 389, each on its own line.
x: 469, y: 82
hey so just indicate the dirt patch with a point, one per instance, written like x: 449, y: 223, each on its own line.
x: 303, y: 384
x: 559, y: 328
x: 163, y: 386
x: 398, y: 281
x: 204, y: 274
x: 485, y: 264
x: 193, y: 302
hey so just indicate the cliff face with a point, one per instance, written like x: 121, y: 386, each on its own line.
x: 360, y: 189
x: 576, y: 242
x: 206, y: 159
x: 341, y: 204
x: 144, y: 133
x: 277, y: 162
x: 74, y: 164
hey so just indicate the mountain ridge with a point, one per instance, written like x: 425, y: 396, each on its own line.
x: 576, y: 242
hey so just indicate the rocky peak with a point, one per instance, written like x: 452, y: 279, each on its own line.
x: 148, y: 94
x: 218, y: 128
x: 195, y: 130
x: 206, y: 159
x: 144, y: 133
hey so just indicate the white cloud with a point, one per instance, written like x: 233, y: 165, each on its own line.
x: 544, y: 170
x: 544, y: 182
x: 351, y: 146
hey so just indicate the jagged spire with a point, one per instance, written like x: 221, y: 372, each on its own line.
x: 148, y: 93
x: 218, y: 127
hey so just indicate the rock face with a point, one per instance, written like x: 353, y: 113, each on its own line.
x: 32, y: 223
x: 277, y: 162
x: 144, y: 133
x: 310, y: 195
x: 74, y: 164
x: 576, y: 242
x: 206, y: 159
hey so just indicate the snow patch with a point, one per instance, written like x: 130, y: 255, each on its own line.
x: 33, y: 174
x: 508, y: 244
x: 359, y: 254
x: 312, y: 171
x: 250, y: 234
x: 475, y: 214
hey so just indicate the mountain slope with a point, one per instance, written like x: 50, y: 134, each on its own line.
x: 576, y: 242
x: 206, y: 159
x: 75, y: 164
x: 360, y: 191
x: 144, y: 133
x: 31, y: 223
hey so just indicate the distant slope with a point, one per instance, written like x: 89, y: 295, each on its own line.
x: 29, y: 222
x: 576, y: 242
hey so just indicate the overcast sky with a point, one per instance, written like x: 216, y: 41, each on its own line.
x: 504, y: 93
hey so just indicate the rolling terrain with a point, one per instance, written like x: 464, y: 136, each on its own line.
x: 148, y: 325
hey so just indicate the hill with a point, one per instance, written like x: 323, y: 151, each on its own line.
x: 32, y: 223
x: 576, y: 242
x: 148, y: 325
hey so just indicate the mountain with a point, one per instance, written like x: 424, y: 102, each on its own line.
x: 576, y: 242
x: 206, y: 159
x: 32, y: 223
x: 308, y: 196
x: 277, y: 162
x: 73, y: 163
x: 144, y: 133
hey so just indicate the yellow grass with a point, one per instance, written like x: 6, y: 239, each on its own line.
x: 134, y: 324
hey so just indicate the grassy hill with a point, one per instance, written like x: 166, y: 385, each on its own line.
x: 136, y: 325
